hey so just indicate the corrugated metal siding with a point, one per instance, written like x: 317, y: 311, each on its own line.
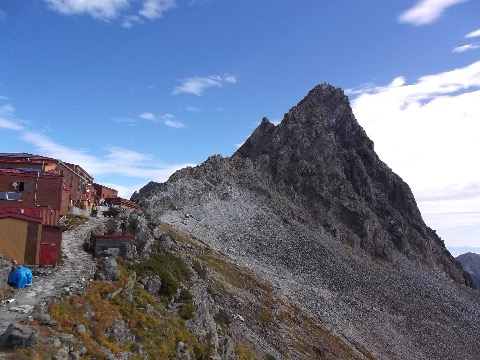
x: 65, y: 203
x: 47, y: 188
x: 50, y: 217
x: 49, y: 192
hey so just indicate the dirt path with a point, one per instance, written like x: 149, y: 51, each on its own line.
x: 68, y: 278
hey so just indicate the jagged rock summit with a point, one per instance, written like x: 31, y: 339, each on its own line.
x: 319, y: 167
x: 308, y: 205
x: 321, y: 155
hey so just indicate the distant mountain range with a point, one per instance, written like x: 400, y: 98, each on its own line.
x: 459, y: 250
x: 471, y: 263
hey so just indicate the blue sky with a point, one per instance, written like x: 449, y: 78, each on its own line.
x: 132, y: 90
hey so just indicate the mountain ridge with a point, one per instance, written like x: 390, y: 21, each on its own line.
x: 308, y: 205
x: 321, y: 158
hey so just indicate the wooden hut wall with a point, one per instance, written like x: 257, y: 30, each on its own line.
x: 20, y: 240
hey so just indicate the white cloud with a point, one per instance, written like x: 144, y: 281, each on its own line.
x: 131, y: 20
x: 230, y: 79
x: 154, y: 9
x: 114, y: 163
x: 147, y: 116
x: 166, y: 119
x: 193, y: 109
x: 170, y: 121
x: 99, y: 9
x: 126, y: 120
x: 130, y: 12
x: 427, y: 11
x: 427, y: 132
x: 460, y: 49
x: 197, y: 85
x: 7, y: 119
x: 473, y: 34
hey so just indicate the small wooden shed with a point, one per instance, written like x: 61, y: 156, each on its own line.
x: 105, y: 242
x: 20, y: 236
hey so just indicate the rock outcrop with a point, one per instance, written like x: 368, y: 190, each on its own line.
x: 19, y: 335
x: 309, y: 206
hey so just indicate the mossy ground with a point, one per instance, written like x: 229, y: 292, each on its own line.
x: 73, y: 221
x: 155, y: 331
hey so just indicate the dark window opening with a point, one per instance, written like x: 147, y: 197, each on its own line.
x: 25, y: 186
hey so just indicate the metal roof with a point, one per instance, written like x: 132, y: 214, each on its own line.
x: 16, y: 155
x: 28, y: 171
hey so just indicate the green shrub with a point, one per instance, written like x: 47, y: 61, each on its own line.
x: 170, y: 268
x: 222, y: 318
x: 200, y: 270
x: 186, y: 311
x: 185, y: 296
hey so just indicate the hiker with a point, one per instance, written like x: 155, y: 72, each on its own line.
x: 94, y: 210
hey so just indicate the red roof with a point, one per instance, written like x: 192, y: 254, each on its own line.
x: 114, y: 236
x: 30, y: 172
x: 17, y: 214
x: 22, y: 157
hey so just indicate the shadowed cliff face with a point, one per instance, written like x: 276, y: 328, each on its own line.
x: 321, y: 155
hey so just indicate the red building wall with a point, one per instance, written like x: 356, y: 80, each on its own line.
x: 35, y: 190
x: 104, y: 192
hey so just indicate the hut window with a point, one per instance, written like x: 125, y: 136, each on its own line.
x: 25, y: 186
x: 9, y: 196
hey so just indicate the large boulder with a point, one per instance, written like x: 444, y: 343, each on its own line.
x: 19, y: 335
x: 107, y: 269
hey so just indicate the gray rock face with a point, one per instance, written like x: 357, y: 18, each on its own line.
x: 310, y: 206
x: 18, y: 335
x: 107, y: 269
x: 120, y: 332
x: 152, y: 284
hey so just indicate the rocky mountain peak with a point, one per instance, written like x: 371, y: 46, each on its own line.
x: 308, y: 206
x: 319, y: 168
x: 321, y: 155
